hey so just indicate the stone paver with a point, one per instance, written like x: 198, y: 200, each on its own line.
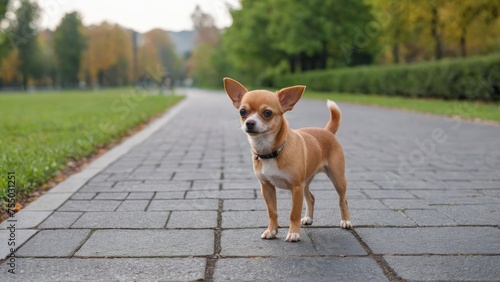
x: 189, y: 205
x: 133, y: 205
x: 426, y: 240
x: 182, y: 203
x: 21, y: 236
x: 193, y: 219
x: 148, y: 243
x: 26, y: 219
x: 48, y: 202
x: 53, y: 243
x: 298, y: 269
x: 60, y: 220
x: 315, y: 241
x: 454, y: 268
x: 111, y: 196
x: 121, y: 220
x: 429, y: 218
x: 123, y: 269
x: 90, y: 205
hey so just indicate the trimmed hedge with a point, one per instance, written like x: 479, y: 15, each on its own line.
x: 474, y: 78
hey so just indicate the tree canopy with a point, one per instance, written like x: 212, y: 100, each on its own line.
x: 97, y: 55
x: 271, y: 37
x: 22, y: 36
x: 69, y: 44
x: 266, y: 38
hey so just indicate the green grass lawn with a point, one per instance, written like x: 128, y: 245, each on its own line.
x: 464, y: 109
x: 41, y: 132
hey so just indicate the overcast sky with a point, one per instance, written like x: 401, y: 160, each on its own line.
x: 141, y: 15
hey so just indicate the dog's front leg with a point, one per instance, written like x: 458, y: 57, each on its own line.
x: 296, y: 213
x: 269, y: 194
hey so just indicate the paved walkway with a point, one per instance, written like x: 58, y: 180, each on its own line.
x: 424, y: 194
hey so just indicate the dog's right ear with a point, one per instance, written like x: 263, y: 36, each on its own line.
x: 235, y: 91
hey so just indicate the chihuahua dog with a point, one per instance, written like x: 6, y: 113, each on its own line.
x: 287, y: 158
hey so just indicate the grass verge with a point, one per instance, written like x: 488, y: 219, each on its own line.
x: 41, y: 133
x: 464, y: 109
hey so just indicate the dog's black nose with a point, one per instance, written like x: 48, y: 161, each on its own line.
x: 250, y: 124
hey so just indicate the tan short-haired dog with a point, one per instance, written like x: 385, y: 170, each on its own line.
x: 287, y: 158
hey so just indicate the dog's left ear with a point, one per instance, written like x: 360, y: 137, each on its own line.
x: 290, y: 96
x: 235, y: 91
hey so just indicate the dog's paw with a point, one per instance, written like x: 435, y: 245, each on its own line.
x: 346, y: 224
x: 292, y: 237
x: 269, y: 234
x: 307, y: 221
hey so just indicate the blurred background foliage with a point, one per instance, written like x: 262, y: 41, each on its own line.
x: 268, y: 40
x: 274, y: 37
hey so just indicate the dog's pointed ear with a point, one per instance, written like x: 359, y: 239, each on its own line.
x: 235, y: 91
x: 290, y: 96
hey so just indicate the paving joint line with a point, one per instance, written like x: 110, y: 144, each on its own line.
x: 168, y: 219
x: 227, y: 256
x: 52, y: 213
x: 389, y: 273
x: 83, y: 242
x: 172, y: 177
x: 313, y: 241
x: 440, y: 255
x: 259, y: 256
x: 402, y: 212
x: 2, y: 260
x: 150, y: 200
x: 260, y: 227
x: 70, y: 227
x: 212, y: 261
x: 119, y: 205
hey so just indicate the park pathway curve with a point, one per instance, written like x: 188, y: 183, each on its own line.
x: 424, y: 194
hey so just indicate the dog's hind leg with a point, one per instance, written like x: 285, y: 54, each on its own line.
x: 308, y: 219
x: 337, y: 176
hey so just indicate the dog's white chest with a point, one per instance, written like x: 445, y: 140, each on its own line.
x: 270, y: 171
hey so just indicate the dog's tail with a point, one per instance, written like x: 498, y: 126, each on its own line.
x: 335, y: 117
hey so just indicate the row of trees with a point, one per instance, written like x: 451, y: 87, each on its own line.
x: 73, y: 54
x: 268, y: 37
x: 271, y: 37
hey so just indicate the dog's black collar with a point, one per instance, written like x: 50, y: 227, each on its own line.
x: 270, y: 155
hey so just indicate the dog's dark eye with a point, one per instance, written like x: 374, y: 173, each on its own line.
x: 243, y: 112
x: 267, y: 113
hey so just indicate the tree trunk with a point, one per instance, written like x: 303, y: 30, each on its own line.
x: 395, y: 48
x: 25, y: 81
x: 312, y: 61
x: 292, y: 60
x: 395, y: 53
x: 463, y: 43
x: 303, y: 62
x: 323, y: 57
x: 134, y: 57
x: 436, y: 34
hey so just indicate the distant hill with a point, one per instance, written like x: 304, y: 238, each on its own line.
x: 183, y: 40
